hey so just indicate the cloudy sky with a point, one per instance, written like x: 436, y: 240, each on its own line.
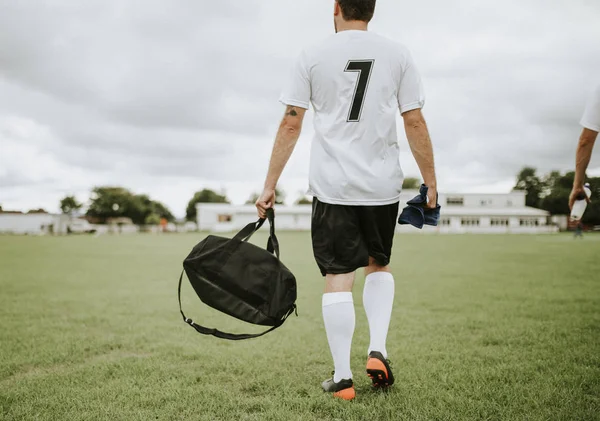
x: 167, y: 98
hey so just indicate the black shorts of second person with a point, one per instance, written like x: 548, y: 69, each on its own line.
x: 345, y: 236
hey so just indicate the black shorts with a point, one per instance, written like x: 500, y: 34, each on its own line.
x: 344, y: 236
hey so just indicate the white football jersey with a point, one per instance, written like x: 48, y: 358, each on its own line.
x: 591, y: 115
x: 356, y: 81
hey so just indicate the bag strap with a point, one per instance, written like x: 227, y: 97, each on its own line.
x: 248, y: 231
x: 272, y: 243
x: 223, y: 335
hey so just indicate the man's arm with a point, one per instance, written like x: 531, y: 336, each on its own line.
x: 582, y: 160
x: 285, y: 142
x: 420, y: 145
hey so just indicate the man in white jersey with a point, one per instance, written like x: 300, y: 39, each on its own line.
x: 357, y: 82
x: 591, y: 127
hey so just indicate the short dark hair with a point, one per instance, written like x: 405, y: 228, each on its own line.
x: 357, y: 9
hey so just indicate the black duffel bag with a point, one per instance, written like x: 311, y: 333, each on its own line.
x: 241, y: 279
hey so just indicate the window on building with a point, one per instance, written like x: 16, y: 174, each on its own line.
x: 445, y: 222
x: 499, y: 222
x: 486, y: 202
x: 225, y: 218
x: 470, y: 222
x: 457, y: 201
x: 529, y: 222
x: 509, y: 203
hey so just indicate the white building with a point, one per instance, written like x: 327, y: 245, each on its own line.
x: 31, y: 223
x: 461, y: 213
x: 492, y: 213
x: 42, y: 223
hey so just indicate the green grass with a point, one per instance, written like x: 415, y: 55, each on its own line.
x: 484, y: 327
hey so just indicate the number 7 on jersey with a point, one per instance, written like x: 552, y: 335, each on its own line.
x: 363, y: 67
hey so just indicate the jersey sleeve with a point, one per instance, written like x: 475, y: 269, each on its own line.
x: 297, y: 89
x: 410, y: 91
x: 591, y: 115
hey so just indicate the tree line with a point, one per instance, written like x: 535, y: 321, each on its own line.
x: 549, y: 192
x: 118, y: 202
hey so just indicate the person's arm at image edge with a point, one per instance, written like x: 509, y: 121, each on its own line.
x: 285, y: 142
x: 582, y: 160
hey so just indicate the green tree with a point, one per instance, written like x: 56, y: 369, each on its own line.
x: 592, y: 212
x: 528, y: 180
x: 411, y: 183
x: 304, y: 200
x: 252, y: 199
x: 140, y: 206
x: 203, y: 196
x: 69, y: 204
x: 162, y: 211
x: 280, y: 196
x: 549, y: 181
x: 152, y: 219
x: 144, y: 206
x: 112, y: 202
x: 555, y: 192
x: 109, y: 202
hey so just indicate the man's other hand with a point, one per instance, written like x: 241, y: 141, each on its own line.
x: 577, y: 192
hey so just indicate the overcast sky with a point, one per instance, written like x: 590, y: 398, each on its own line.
x: 167, y: 98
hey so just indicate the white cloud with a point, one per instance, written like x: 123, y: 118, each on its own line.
x: 168, y: 98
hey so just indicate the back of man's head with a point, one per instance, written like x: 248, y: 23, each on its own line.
x: 362, y: 10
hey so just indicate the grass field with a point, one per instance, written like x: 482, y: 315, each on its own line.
x: 484, y: 327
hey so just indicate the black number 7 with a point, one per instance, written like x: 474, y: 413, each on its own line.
x: 363, y: 67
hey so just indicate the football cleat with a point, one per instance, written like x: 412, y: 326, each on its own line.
x: 343, y: 389
x: 379, y: 370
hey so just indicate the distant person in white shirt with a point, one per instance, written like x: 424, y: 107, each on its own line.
x: 591, y: 127
x: 357, y: 82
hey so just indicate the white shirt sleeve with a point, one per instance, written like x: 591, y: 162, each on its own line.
x: 410, y: 90
x: 297, y: 90
x: 591, y: 115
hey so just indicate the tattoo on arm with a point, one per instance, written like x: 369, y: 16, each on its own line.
x: 285, y: 142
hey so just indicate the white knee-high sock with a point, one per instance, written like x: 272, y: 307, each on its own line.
x: 378, y: 300
x: 339, y: 318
